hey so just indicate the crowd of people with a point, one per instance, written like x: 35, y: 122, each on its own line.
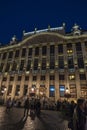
x: 76, y: 113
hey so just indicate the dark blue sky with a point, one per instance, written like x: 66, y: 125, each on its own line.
x: 19, y: 15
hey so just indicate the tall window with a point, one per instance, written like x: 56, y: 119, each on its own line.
x: 73, y: 90
x: 14, y: 66
x: 42, y: 77
x: 51, y: 91
x: 82, y: 77
x: 52, y: 62
x: 7, y: 67
x: 25, y: 89
x: 23, y: 52
x: 44, y: 50
x: 17, y: 92
x: 61, y: 62
x: 30, y: 52
x: 69, y: 48
x: 60, y: 48
x: 36, y: 51
x: 10, y: 54
x: 34, y: 78
x: 19, y: 78
x: 9, y: 90
x: 52, y: 49
x: 62, y: 90
x: 11, y: 78
x: 17, y: 53
x: 43, y: 63
x: 4, y: 55
x: 86, y: 45
x: 22, y: 65
x: 61, y: 77
x: 78, y: 47
x: 1, y: 67
x: 28, y: 65
x: 26, y: 78
x: 4, y: 78
x: 70, y: 62
x: 35, y: 64
x: 80, y: 61
x: 52, y: 77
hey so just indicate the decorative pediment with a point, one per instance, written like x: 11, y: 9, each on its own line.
x: 43, y: 38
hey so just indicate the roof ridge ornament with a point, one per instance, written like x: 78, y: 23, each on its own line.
x: 35, y: 30
x: 48, y: 27
x: 13, y: 40
x: 76, y: 29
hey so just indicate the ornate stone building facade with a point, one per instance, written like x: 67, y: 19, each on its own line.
x: 44, y: 64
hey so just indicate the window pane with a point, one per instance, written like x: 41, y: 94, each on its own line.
x: 44, y: 50
x: 52, y: 91
x: 62, y: 90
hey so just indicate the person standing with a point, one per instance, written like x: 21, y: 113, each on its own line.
x: 79, y: 117
x: 26, y: 107
x: 8, y: 105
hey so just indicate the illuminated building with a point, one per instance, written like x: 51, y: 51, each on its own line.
x: 45, y: 63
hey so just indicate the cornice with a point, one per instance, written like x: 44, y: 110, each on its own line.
x: 60, y: 36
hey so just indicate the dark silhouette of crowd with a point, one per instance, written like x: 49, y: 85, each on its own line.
x: 75, y: 113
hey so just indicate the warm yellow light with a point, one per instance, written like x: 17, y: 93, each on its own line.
x: 71, y: 77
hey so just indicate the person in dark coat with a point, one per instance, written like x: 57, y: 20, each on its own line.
x: 26, y: 107
x: 79, y: 117
x: 38, y: 107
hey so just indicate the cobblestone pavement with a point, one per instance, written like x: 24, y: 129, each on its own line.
x: 14, y: 120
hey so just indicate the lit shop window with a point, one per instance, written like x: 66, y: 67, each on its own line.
x: 61, y: 90
x: 52, y: 91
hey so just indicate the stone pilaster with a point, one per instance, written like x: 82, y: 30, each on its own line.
x: 38, y: 84
x: 22, y: 86
x: 14, y: 86
x: 30, y: 82
x: 47, y: 84
x: 57, y: 95
x: 78, y: 88
x: 7, y: 86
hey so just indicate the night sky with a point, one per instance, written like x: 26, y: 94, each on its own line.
x: 19, y: 15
